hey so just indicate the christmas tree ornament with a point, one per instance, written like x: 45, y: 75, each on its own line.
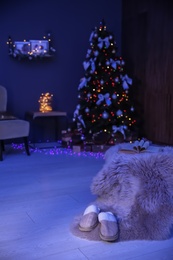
x: 105, y: 115
x: 119, y: 113
x: 114, y: 96
x: 86, y: 64
x: 126, y: 81
x: 118, y: 129
x: 125, y: 85
x: 82, y: 137
x: 91, y: 36
x: 83, y: 83
x: 102, y: 98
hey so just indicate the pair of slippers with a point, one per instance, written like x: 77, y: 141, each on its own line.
x: 108, y: 223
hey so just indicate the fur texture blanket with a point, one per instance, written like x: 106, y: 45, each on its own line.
x: 138, y: 189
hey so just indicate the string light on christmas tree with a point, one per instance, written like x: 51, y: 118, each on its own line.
x: 105, y: 88
x: 45, y: 101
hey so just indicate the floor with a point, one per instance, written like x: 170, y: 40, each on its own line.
x: 41, y: 194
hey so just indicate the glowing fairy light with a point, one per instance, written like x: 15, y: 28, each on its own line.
x: 45, y: 101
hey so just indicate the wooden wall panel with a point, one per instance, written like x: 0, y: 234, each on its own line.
x: 147, y: 47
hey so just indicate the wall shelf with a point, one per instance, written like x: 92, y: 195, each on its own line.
x: 31, y: 49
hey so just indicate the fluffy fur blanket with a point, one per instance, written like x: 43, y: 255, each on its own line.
x: 138, y: 189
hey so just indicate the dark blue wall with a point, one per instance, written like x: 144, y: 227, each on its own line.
x: 71, y: 23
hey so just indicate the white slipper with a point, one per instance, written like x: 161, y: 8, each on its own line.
x: 89, y: 219
x: 108, y: 227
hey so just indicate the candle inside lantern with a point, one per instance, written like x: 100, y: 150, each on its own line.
x: 45, y: 101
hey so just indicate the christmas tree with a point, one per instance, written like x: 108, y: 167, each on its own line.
x: 105, y: 104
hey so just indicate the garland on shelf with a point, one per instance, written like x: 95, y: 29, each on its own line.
x: 31, y: 49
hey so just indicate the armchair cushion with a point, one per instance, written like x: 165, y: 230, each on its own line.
x: 10, y: 126
x: 13, y: 129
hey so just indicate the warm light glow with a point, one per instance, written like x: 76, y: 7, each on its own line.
x: 45, y: 101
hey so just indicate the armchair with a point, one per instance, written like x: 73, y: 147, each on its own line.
x: 10, y: 126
